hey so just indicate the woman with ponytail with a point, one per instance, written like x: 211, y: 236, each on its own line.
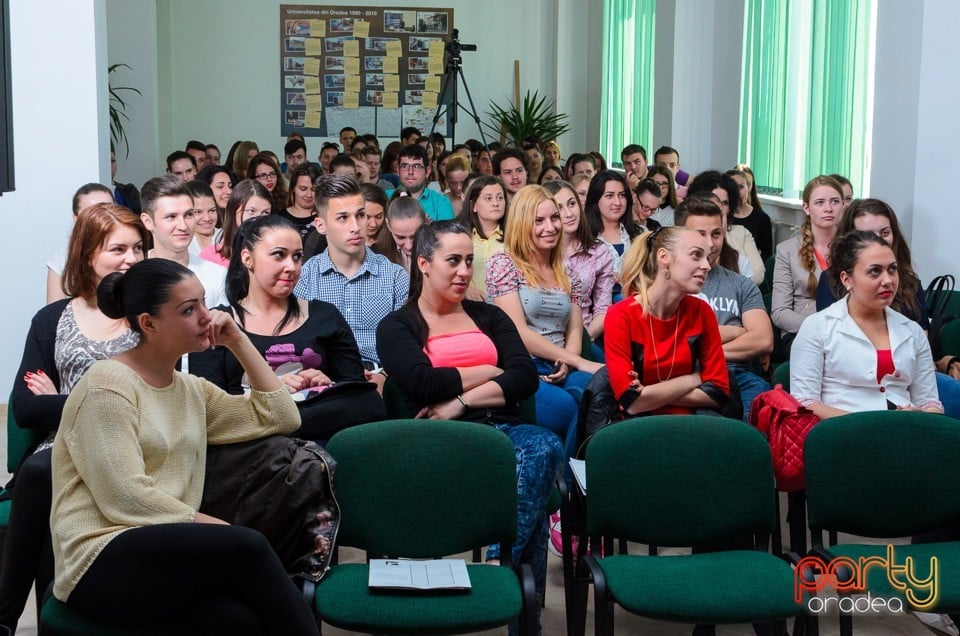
x: 307, y: 343
x: 801, y: 259
x: 128, y: 472
x: 663, y: 347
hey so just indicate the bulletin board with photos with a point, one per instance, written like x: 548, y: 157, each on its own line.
x: 375, y: 69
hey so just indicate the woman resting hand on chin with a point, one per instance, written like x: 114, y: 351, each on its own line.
x: 128, y: 472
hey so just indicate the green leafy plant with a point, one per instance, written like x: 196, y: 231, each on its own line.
x: 118, y: 108
x: 534, y: 117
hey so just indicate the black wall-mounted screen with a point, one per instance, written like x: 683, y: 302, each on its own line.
x: 6, y: 102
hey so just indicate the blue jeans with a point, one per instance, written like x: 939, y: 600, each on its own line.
x: 949, y: 390
x: 539, y: 455
x: 558, y: 405
x: 751, y: 385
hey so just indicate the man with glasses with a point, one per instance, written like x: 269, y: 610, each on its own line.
x: 414, y: 173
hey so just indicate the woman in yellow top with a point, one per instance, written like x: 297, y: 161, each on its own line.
x: 128, y: 467
x: 484, y: 213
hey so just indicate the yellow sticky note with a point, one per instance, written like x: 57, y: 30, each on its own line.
x: 433, y: 83
x: 391, y: 100
x: 391, y: 83
x: 351, y: 100
x: 318, y: 28
x: 429, y: 99
x: 435, y: 67
x: 351, y: 83
x: 394, y: 49
x: 314, y: 46
x: 436, y: 48
x: 314, y: 102
x: 311, y: 66
x: 361, y: 28
x: 312, y: 85
x: 312, y: 119
x: 351, y: 65
x: 351, y: 48
x: 391, y: 64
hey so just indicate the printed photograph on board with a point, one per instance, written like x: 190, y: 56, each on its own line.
x: 431, y: 22
x: 400, y: 21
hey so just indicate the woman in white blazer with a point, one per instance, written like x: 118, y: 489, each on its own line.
x: 858, y: 354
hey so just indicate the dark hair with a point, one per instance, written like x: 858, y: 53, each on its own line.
x: 342, y: 160
x: 159, y: 187
x: 579, y: 157
x: 663, y: 171
x: 906, y: 300
x: 631, y: 149
x: 697, y: 205
x: 584, y: 234
x: 177, y: 155
x: 198, y: 189
x: 209, y: 146
x: 548, y: 168
x: 410, y: 130
x: 437, y: 138
x: 390, y: 156
x: 209, y: 172
x: 599, y: 160
x: 372, y: 193
x: 327, y: 145
x: 425, y: 243
x: 294, y: 145
x: 142, y: 289
x: 845, y: 251
x: 474, y: 145
x: 842, y: 180
x: 305, y: 169
x: 88, y: 188
x: 89, y: 235
x: 466, y: 216
x: 710, y: 180
x: 650, y: 187
x: 237, y: 284
x: 278, y: 196
x: 371, y: 140
x: 193, y: 144
x: 511, y: 153
x: 242, y: 192
x: 597, y: 185
x: 414, y: 151
x: 333, y: 186
x: 666, y: 150
x: 348, y: 129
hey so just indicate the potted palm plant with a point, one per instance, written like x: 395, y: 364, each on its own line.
x: 535, y: 117
x: 118, y: 108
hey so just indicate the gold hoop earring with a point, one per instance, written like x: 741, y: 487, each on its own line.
x: 666, y: 273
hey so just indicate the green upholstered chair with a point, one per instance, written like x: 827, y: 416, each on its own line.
x: 426, y: 489
x: 766, y: 285
x: 886, y: 474
x: 20, y: 443
x: 674, y: 481
x: 781, y: 375
x: 60, y: 619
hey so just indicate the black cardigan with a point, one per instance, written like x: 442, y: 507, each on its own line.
x: 39, y: 413
x: 400, y: 347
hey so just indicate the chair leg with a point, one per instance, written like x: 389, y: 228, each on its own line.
x: 528, y: 616
x: 797, y: 516
x: 846, y: 625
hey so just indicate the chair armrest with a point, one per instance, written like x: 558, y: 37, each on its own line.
x: 528, y: 589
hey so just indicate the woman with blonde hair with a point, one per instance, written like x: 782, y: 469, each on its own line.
x: 551, y: 154
x: 802, y: 258
x: 529, y: 282
x: 457, y: 169
x: 663, y: 346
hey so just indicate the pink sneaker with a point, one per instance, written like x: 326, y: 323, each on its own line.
x: 556, y: 537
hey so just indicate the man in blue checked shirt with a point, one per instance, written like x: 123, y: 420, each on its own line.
x: 363, y: 285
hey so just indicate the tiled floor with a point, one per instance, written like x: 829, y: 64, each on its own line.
x: 553, y: 617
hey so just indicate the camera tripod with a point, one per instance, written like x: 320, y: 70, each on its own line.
x: 453, y: 70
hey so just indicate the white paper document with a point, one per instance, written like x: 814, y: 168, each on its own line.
x: 579, y: 468
x: 405, y: 574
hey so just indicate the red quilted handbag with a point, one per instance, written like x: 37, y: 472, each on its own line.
x: 785, y: 423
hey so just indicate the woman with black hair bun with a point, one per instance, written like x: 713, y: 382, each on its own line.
x: 128, y: 472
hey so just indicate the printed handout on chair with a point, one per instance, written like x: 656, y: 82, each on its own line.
x: 579, y: 468
x: 406, y: 574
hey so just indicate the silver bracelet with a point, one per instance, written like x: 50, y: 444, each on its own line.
x: 464, y: 402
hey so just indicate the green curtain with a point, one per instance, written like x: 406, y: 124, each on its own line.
x: 839, y: 84
x: 626, y: 105
x: 764, y: 91
x: 805, y: 91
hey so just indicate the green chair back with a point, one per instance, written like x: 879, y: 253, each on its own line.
x: 781, y: 375
x: 950, y: 338
x: 679, y: 480
x: 883, y: 473
x: 424, y: 488
x: 20, y: 441
x: 766, y: 286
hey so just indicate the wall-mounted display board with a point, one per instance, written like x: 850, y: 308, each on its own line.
x: 375, y: 69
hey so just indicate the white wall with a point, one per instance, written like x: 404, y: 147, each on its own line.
x: 61, y: 141
x: 235, y: 96
x: 132, y: 40
x: 935, y: 223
